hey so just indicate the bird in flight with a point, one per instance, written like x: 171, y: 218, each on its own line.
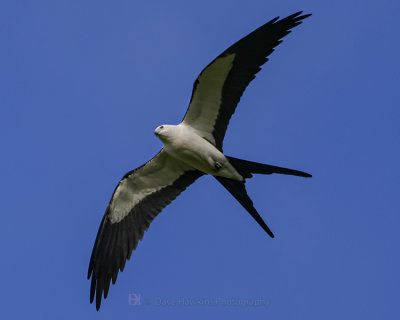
x: 190, y: 149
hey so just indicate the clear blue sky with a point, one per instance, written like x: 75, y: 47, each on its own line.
x: 83, y: 84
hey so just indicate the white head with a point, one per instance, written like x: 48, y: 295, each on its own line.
x: 164, y: 131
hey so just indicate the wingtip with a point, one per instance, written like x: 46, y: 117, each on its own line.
x: 92, y: 290
x: 273, y: 20
x: 98, y: 300
x: 297, y: 17
x: 299, y: 13
x: 305, y: 16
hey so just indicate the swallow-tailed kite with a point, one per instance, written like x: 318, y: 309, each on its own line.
x: 190, y: 149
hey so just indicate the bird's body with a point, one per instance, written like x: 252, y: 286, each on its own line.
x: 190, y: 150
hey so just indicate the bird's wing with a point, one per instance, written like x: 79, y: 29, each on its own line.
x: 139, y: 197
x: 218, y: 88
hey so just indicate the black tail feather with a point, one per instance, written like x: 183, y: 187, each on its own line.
x: 238, y: 190
x: 246, y: 168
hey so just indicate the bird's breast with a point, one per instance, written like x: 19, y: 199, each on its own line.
x: 192, y: 149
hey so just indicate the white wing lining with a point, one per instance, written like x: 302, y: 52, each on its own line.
x: 159, y: 172
x: 206, y: 101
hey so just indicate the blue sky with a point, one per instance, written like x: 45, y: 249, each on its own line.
x: 83, y: 84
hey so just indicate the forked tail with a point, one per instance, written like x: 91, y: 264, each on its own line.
x: 238, y: 188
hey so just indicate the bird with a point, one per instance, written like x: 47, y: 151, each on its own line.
x: 191, y: 149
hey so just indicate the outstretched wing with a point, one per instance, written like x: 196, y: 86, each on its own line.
x: 138, y: 198
x: 218, y: 88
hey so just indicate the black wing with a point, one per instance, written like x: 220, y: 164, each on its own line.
x: 218, y: 88
x: 137, y: 200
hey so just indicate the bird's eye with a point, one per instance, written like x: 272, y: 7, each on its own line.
x: 161, y: 127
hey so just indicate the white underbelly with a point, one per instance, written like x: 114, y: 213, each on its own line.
x: 200, y: 154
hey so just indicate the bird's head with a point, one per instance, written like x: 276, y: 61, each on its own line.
x: 163, y: 132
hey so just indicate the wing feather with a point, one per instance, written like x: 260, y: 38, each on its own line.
x: 137, y: 200
x: 219, y: 87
